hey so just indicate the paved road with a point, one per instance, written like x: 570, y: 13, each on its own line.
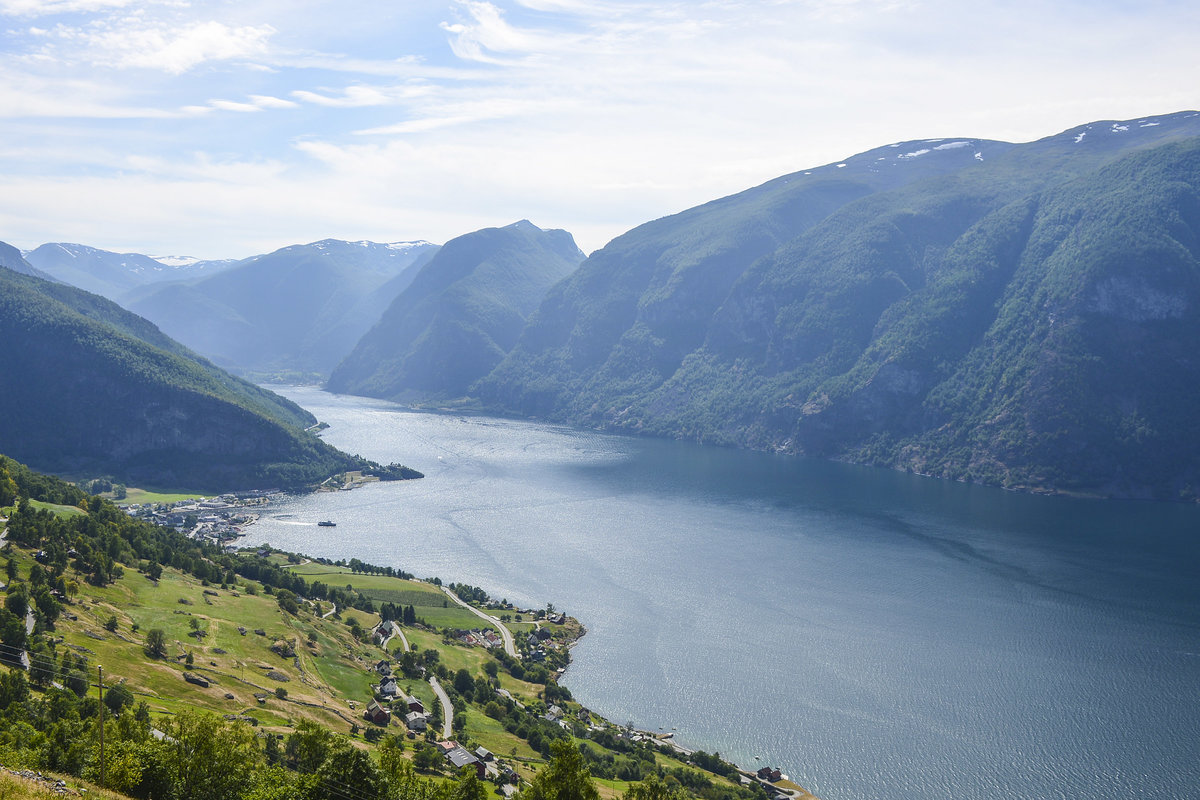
x: 393, y: 631
x: 29, y: 623
x: 509, y: 646
x: 447, y: 709
x: 403, y: 639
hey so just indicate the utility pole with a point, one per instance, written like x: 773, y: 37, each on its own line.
x: 100, y: 671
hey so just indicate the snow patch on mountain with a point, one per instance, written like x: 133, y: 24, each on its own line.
x: 175, y: 262
x: 952, y: 145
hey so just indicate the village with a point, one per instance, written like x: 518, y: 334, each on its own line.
x: 391, y: 705
x: 221, y: 520
x: 218, y: 520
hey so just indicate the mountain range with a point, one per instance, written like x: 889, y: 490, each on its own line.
x: 1015, y: 314
x: 294, y: 312
x: 111, y: 274
x: 299, y: 309
x: 1012, y: 314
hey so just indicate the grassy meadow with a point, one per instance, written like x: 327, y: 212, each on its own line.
x: 324, y: 670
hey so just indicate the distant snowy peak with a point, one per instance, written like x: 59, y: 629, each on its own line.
x: 935, y: 154
x: 941, y: 154
x: 366, y: 244
x: 176, y: 261
x: 1094, y: 134
x: 404, y: 247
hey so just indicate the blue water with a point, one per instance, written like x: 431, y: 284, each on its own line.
x: 875, y: 634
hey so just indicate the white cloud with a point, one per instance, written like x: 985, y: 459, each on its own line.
x: 253, y: 103
x: 29, y: 96
x: 360, y: 96
x: 486, y: 34
x: 230, y: 105
x: 176, y: 50
x: 265, y: 101
x: 42, y: 8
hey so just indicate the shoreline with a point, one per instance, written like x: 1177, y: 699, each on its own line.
x: 232, y: 540
x: 660, y: 739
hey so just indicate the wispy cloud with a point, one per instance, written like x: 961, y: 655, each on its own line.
x: 250, y: 104
x: 360, y: 96
x: 134, y: 43
x: 42, y: 8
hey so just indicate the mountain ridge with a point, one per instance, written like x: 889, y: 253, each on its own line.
x: 460, y: 314
x: 298, y: 309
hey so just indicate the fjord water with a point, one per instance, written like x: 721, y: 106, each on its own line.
x: 878, y: 635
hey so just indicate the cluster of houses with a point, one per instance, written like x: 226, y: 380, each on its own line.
x: 416, y: 719
x: 481, y: 760
x: 484, y: 763
x: 218, y: 520
x: 414, y: 715
x: 482, y: 638
x: 539, y: 644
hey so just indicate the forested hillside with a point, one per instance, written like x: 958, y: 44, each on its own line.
x: 460, y: 315
x: 91, y: 389
x: 1019, y: 316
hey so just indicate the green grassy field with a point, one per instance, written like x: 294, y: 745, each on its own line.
x: 54, y: 508
x: 321, y: 679
x: 328, y: 675
x: 428, y: 601
x: 141, y: 496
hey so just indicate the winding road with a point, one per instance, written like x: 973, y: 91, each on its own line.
x: 510, y: 647
x: 447, y: 709
x: 392, y: 626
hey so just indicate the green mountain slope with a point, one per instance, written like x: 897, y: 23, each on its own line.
x: 629, y: 315
x: 462, y: 313
x: 93, y: 389
x: 1020, y: 319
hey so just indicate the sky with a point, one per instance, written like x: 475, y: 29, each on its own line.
x: 227, y: 129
